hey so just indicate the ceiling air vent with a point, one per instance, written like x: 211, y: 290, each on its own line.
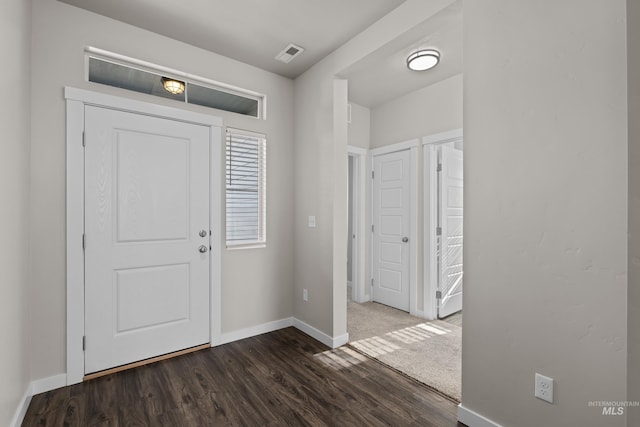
x: 289, y: 53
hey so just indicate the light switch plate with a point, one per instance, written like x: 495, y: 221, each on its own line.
x: 312, y: 221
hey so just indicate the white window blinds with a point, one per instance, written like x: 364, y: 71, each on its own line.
x: 246, y: 188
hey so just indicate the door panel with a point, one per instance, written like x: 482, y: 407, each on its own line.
x: 451, y: 207
x: 165, y: 215
x: 153, y: 296
x: 391, y: 252
x: 146, y: 201
x: 391, y: 220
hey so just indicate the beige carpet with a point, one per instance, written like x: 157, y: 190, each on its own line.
x: 429, y: 351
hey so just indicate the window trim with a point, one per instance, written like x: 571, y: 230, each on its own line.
x: 261, y: 242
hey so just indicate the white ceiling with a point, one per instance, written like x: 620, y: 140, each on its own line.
x: 251, y: 31
x: 255, y: 31
x: 383, y: 75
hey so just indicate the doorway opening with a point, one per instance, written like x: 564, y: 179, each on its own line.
x: 356, y: 238
x: 201, y: 244
x: 443, y: 189
x: 424, y: 343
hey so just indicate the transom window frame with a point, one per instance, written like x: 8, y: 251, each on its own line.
x: 236, y: 140
x: 149, y: 67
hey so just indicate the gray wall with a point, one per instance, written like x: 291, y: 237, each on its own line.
x: 545, y: 209
x: 252, y: 296
x: 430, y: 110
x: 360, y: 136
x: 350, y: 224
x: 15, y: 44
x: 321, y: 170
x: 360, y: 126
x: 633, y: 295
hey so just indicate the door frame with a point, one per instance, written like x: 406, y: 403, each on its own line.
x: 430, y: 209
x: 76, y: 99
x: 413, y: 146
x: 359, y: 155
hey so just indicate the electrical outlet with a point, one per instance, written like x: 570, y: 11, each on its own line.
x: 305, y: 295
x: 544, y: 388
x: 312, y: 221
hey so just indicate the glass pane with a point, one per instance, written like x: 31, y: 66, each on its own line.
x: 116, y: 75
x: 212, y: 98
x: 244, y: 189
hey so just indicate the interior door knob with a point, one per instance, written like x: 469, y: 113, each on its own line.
x: 202, y: 249
x: 405, y: 239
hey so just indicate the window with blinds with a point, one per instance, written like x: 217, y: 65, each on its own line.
x: 246, y: 188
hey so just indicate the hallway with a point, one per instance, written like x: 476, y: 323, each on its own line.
x: 429, y: 351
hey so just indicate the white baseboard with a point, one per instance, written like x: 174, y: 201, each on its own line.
x: 48, y: 384
x: 254, y: 330
x: 319, y: 335
x: 418, y: 313
x: 340, y: 340
x: 473, y: 419
x: 51, y: 383
x: 36, y: 387
x: 21, y: 410
x: 281, y: 324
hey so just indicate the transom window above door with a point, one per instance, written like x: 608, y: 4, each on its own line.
x: 139, y: 76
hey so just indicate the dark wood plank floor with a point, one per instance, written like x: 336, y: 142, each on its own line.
x: 275, y: 379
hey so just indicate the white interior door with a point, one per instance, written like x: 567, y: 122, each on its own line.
x: 391, y: 228
x: 147, y: 237
x: 451, y: 191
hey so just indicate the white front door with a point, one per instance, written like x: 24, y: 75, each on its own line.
x: 451, y: 191
x: 391, y: 228
x: 147, y: 237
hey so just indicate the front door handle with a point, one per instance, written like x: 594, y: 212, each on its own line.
x: 202, y: 249
x: 405, y: 239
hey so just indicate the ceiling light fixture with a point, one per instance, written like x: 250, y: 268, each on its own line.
x: 422, y: 60
x: 173, y: 86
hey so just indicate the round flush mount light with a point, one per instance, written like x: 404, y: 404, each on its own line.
x: 173, y: 86
x: 422, y: 60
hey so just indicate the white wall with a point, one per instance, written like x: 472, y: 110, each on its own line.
x: 319, y: 154
x: 360, y: 136
x: 633, y: 295
x: 349, y: 235
x: 360, y: 126
x: 256, y: 283
x: 545, y: 210
x: 15, y: 47
x: 433, y: 109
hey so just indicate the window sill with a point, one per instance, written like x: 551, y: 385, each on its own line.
x: 246, y: 246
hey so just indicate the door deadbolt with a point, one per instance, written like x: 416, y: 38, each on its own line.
x: 203, y: 233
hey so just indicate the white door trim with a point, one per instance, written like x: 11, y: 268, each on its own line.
x: 430, y: 200
x: 454, y: 135
x: 76, y: 101
x: 413, y: 146
x: 359, y: 156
